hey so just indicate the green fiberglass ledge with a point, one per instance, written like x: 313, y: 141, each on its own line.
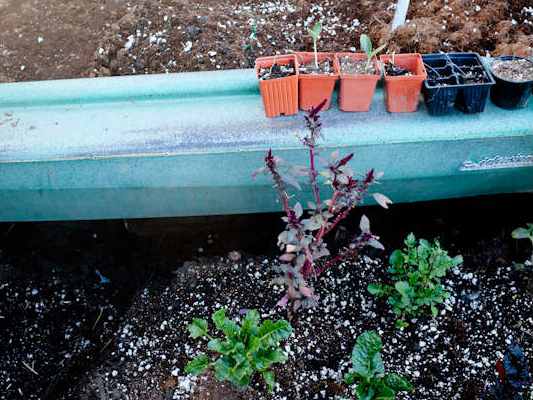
x: 186, y: 144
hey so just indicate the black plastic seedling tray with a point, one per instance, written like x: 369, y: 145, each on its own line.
x: 452, y: 83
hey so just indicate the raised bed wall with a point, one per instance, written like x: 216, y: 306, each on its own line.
x: 186, y: 144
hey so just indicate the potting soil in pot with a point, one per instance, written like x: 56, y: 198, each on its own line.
x: 276, y: 71
x: 325, y: 67
x: 356, y: 67
x: 519, y: 70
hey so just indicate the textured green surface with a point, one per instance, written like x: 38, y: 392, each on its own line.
x: 186, y: 144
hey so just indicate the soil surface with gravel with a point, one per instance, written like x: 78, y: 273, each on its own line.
x: 450, y: 357
x: 93, y: 309
x: 58, y: 39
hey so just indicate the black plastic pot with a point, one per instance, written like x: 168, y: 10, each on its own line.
x: 508, y: 94
x: 448, y: 69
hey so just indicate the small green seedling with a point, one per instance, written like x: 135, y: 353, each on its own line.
x: 366, y: 46
x: 245, y: 349
x: 315, y: 34
x: 416, y: 273
x: 368, y: 371
x: 524, y: 233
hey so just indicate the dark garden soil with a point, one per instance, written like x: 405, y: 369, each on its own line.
x: 66, y: 334
x: 57, y: 39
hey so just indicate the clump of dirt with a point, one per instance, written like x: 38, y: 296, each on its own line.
x: 519, y: 70
x: 395, y: 70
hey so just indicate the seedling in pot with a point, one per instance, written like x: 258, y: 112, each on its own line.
x: 317, y: 66
x: 416, y: 273
x: 514, y: 377
x: 368, y: 371
x: 244, y: 351
x: 276, y: 71
x: 349, y: 65
x: 391, y: 69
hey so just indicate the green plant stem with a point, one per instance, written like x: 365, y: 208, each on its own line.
x: 316, y: 53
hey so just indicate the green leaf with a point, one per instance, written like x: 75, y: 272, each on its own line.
x: 316, y: 30
x: 397, y: 259
x: 350, y: 378
x: 197, y: 365
x: 376, y: 289
x: 228, y: 327
x: 270, y: 379
x: 218, y: 318
x: 366, y: 44
x: 364, y: 391
x: 434, y: 311
x: 366, y: 358
x: 222, y: 368
x: 271, y: 333
x: 378, y: 50
x: 197, y: 328
x: 250, y: 323
x: 521, y: 233
x: 398, y: 383
x: 384, y: 393
x: 400, y: 324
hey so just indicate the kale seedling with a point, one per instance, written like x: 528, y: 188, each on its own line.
x: 524, y: 233
x: 245, y: 349
x: 368, y: 371
x: 302, y: 241
x: 366, y: 46
x: 315, y: 35
x: 514, y: 376
x: 416, y: 273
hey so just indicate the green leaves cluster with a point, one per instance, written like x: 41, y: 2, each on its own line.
x: 368, y: 371
x: 244, y: 350
x: 416, y: 273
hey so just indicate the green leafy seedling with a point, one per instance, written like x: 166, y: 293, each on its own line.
x: 416, y: 272
x: 315, y: 35
x: 366, y: 46
x: 368, y: 371
x: 524, y: 233
x: 245, y: 350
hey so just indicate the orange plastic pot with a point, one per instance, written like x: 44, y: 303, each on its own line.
x: 402, y: 93
x: 356, y: 90
x: 280, y: 96
x: 315, y: 88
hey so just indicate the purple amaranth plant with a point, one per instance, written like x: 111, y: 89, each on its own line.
x: 302, y: 242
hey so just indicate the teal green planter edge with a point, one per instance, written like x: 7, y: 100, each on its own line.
x: 186, y: 144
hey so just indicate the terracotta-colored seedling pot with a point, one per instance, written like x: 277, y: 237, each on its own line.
x: 280, y: 96
x: 315, y: 88
x: 356, y: 90
x: 402, y: 93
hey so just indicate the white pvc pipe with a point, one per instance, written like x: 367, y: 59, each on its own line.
x: 401, y: 13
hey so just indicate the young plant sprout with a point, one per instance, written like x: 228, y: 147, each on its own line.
x: 524, y: 233
x: 315, y: 34
x: 366, y: 46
